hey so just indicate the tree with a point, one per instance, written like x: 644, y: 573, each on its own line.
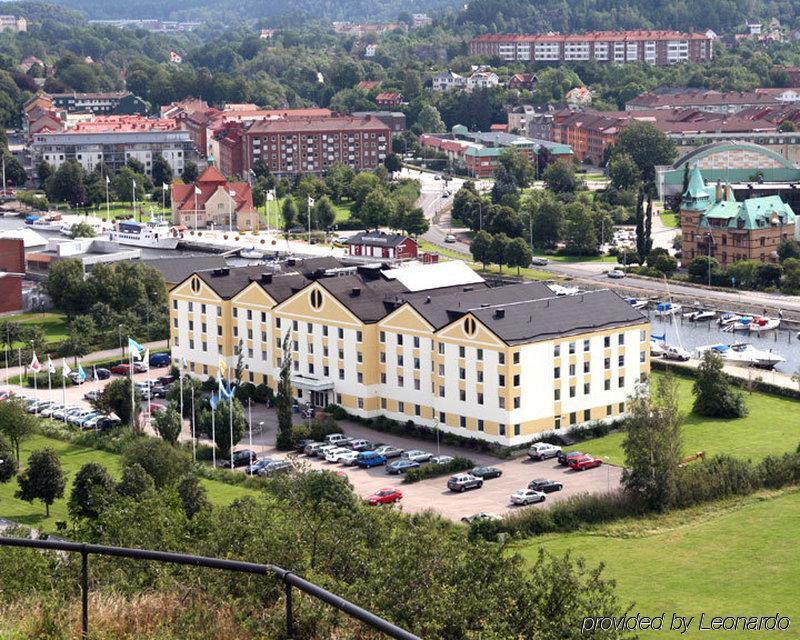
x: 67, y: 184
x: 518, y: 254
x: 16, y: 424
x: 189, y: 174
x: 8, y: 462
x: 283, y: 400
x: 547, y: 223
x: 481, y: 248
x: 66, y: 286
x: 647, y: 146
x: 135, y: 481
x: 15, y: 172
x: 82, y: 230
x: 648, y: 224
x: 123, y: 184
x: 193, y: 495
x: 81, y: 337
x: 518, y: 165
x: 392, y: 163
x: 787, y: 126
x: 376, y: 210
x: 324, y: 213
x: 623, y: 171
x: 92, y: 489
x: 789, y: 249
x: 191, y: 386
x: 714, y: 395
x: 414, y: 222
x: 703, y: 268
x: 116, y: 398
x: 559, y: 177
x: 164, y: 463
x: 504, y: 184
x: 768, y: 275
x: 43, y: 172
x: 162, y: 171
x: 429, y: 120
x: 467, y: 206
x: 580, y: 237
x: 497, y: 249
x: 662, y: 262
x: 169, y: 424
x: 222, y: 432
x: 641, y: 239
x: 43, y: 479
x: 289, y: 212
x: 653, y: 445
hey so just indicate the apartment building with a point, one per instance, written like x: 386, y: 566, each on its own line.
x: 15, y: 24
x: 115, y: 139
x: 501, y: 364
x: 101, y: 103
x: 312, y: 145
x: 712, y: 101
x: 652, y: 47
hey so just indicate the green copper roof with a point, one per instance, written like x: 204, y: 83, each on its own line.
x: 696, y: 188
x: 755, y: 213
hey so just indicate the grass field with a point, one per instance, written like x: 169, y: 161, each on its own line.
x: 54, y: 325
x: 530, y: 274
x: 670, y: 219
x: 556, y: 258
x: 771, y: 427
x: 72, y: 458
x: 739, y: 557
x: 274, y: 217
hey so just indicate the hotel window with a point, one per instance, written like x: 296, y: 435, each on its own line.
x: 621, y: 382
x: 296, y: 365
x: 401, y: 381
x: 400, y: 339
x: 607, y: 342
x: 557, y: 351
x: 461, y: 352
x: 501, y: 402
x: 642, y: 335
x: 175, y: 322
x: 480, y: 398
x: 359, y: 336
x: 642, y: 356
x: 191, y: 308
x: 462, y: 422
x: 441, y: 391
x: 607, y: 385
x: 383, y: 378
x: 236, y: 332
x: 441, y: 348
x: 557, y: 395
x: 586, y: 388
x: 416, y: 384
x: 359, y: 357
x: 277, y: 322
x: 417, y: 410
x: 249, y: 314
x: 341, y: 333
x: 622, y: 407
x: 571, y: 348
x: 263, y: 316
x: 401, y: 407
x: 175, y: 304
x: 501, y: 429
x: 516, y: 357
x: 585, y: 345
x: 264, y: 356
x: 249, y: 333
x: 325, y: 330
x: 609, y: 410
x: 573, y: 418
x: 462, y: 373
x: 480, y: 424
x: 263, y: 336
x: 400, y: 360
x: 480, y: 354
x: 416, y: 363
x: 516, y: 380
x: 557, y: 372
x: 416, y: 342
x: 311, y: 367
x: 572, y: 369
x: 202, y: 308
x: 382, y: 356
x: 586, y: 367
x: 191, y: 325
x: 361, y: 403
x: 607, y: 363
x: 360, y: 378
x: 294, y: 324
x: 621, y: 361
x: 557, y: 422
x: 278, y: 342
x: 462, y: 395
x: 479, y: 373
x: 587, y: 415
x: 501, y: 380
x: 572, y: 391
x: 295, y: 345
x: 516, y: 429
x: 516, y: 402
x: 383, y: 403
x: 501, y: 358
x: 621, y: 338
x: 382, y: 336
x: 341, y: 374
x: 341, y: 354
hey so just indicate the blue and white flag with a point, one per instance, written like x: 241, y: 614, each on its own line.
x: 135, y: 348
x: 226, y: 391
x: 214, y: 401
x: 184, y: 364
x: 81, y: 373
x: 94, y: 374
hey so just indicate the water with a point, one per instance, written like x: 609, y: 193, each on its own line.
x: 696, y: 334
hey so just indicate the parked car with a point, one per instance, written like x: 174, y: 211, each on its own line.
x: 401, y: 466
x: 276, y: 466
x: 82, y: 422
x: 543, y: 450
x: 253, y: 469
x: 389, y: 452
x: 241, y: 458
x: 158, y: 390
x: 107, y: 422
x: 76, y: 378
x: 102, y: 373
x: 338, y: 439
x: 369, y: 459
x: 463, y: 481
x: 544, y: 485
x: 93, y: 422
x: 166, y: 380
x: 301, y: 445
x: 449, y: 238
x: 160, y: 359
x: 527, y: 496
x: 565, y: 456
x: 140, y: 366
x: 121, y: 369
x: 77, y: 416
x: 585, y: 462
x: 537, y: 261
x: 441, y: 459
x: 384, y: 496
x: 48, y: 411
x: 312, y: 447
x: 417, y: 456
x: 486, y: 473
x: 361, y: 445
x: 479, y: 517
x: 349, y: 459
x: 334, y: 455
x: 616, y: 274
x: 38, y: 406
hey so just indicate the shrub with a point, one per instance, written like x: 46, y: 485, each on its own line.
x: 435, y: 470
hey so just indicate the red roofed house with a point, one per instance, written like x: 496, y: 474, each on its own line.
x: 209, y: 201
x: 522, y: 81
x: 389, y: 99
x: 368, y: 85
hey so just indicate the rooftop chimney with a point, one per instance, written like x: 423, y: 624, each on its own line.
x: 266, y: 278
x: 500, y: 313
x: 355, y: 292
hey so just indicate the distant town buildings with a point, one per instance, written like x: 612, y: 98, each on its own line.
x: 100, y: 103
x: 525, y: 81
x: 390, y: 99
x: 15, y: 24
x: 212, y: 200
x: 360, y: 29
x: 154, y: 26
x: 533, y: 121
x: 653, y: 47
x: 447, y: 80
x: 714, y: 224
x: 421, y: 19
x: 385, y: 246
x: 710, y: 100
x: 395, y: 120
x: 12, y: 271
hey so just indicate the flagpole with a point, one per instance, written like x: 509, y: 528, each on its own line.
x: 194, y: 440
x: 308, y: 208
x: 230, y: 413
x: 250, y: 428
x: 49, y: 372
x: 64, y: 388
x: 108, y: 206
x: 133, y: 196
x: 180, y: 382
x: 133, y: 391
x: 35, y: 383
x: 213, y: 434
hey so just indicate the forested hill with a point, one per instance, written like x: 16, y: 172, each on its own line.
x: 532, y: 16
x: 229, y: 11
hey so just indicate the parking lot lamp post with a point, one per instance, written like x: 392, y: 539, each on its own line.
x: 436, y: 426
x: 119, y: 336
x: 250, y: 429
x: 608, y: 475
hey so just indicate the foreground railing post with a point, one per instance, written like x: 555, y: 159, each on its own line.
x: 289, y: 624
x: 84, y: 594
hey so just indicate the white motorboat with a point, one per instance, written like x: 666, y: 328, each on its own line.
x: 48, y: 222
x: 251, y: 253
x: 155, y: 234
x: 665, y: 309
x: 728, y: 318
x: 756, y: 325
x: 700, y: 316
x: 744, y: 354
x: 636, y: 303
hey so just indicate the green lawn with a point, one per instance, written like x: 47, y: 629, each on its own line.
x: 771, y: 427
x: 274, y: 217
x: 54, y: 324
x: 736, y: 558
x: 530, y: 274
x: 72, y: 458
x: 670, y: 219
x: 557, y: 258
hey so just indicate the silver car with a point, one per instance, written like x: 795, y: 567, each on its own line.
x: 415, y: 455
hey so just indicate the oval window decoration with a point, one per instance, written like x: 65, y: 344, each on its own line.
x: 195, y: 284
x: 316, y: 299
x: 470, y: 327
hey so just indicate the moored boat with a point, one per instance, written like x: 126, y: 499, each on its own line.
x: 700, y: 315
x: 637, y: 303
x: 756, y: 325
x: 154, y: 234
x: 664, y: 309
x: 251, y: 253
x: 744, y: 354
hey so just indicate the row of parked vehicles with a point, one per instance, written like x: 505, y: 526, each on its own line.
x: 80, y: 417
x: 161, y: 359
x: 576, y: 460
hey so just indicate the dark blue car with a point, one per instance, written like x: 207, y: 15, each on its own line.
x: 159, y: 360
x: 368, y: 459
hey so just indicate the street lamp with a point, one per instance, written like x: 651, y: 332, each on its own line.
x: 119, y: 335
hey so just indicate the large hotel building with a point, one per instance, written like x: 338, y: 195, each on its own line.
x: 433, y: 344
x: 653, y: 47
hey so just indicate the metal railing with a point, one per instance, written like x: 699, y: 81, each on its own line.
x: 289, y: 579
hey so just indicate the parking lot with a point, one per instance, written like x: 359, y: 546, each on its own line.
x: 431, y: 494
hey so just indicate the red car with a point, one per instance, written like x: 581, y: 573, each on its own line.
x: 384, y: 496
x: 585, y: 462
x: 121, y: 369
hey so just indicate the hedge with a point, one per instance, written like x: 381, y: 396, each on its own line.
x: 436, y: 470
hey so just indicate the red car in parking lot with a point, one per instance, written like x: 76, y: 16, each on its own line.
x: 585, y: 462
x: 121, y: 369
x: 384, y: 496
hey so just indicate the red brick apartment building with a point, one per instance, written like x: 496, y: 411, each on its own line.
x: 12, y: 269
x: 654, y: 47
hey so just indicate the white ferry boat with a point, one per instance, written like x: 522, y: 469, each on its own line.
x: 155, y: 234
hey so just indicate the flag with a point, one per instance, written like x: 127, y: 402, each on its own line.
x: 197, y: 191
x: 213, y: 401
x: 108, y: 180
x: 184, y: 364
x: 135, y: 348
x: 164, y: 186
x: 271, y: 194
x: 51, y: 368
x: 65, y: 370
x: 227, y: 391
x: 81, y: 373
x: 223, y: 367
x: 35, y: 365
x: 134, y: 184
x: 310, y: 202
x: 94, y: 374
x: 147, y: 356
x: 232, y: 194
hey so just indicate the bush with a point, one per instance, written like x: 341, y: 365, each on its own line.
x: 263, y: 394
x: 316, y: 429
x: 435, y: 470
